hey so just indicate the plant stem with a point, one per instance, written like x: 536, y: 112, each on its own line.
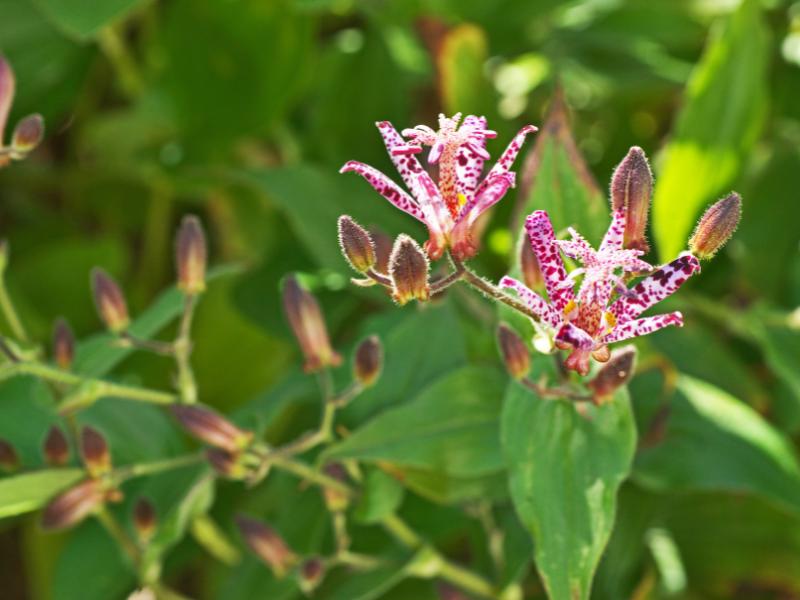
x: 159, y: 466
x: 10, y: 313
x: 119, y: 535
x: 182, y: 349
x: 445, y: 282
x: 402, y: 532
x: 303, y: 471
x: 113, y: 46
x: 493, y: 292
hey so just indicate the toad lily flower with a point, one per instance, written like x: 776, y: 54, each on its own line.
x: 450, y: 208
x: 587, y: 322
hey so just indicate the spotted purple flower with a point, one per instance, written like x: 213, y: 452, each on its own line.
x: 450, y: 206
x: 604, y: 310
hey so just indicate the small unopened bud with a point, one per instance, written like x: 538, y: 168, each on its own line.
x: 56, y: 447
x: 308, y: 325
x: 144, y: 519
x: 383, y: 249
x: 7, y: 85
x: 515, y: 353
x: 27, y: 134
x: 529, y: 266
x: 227, y: 464
x: 335, y: 499
x: 368, y: 361
x: 63, y: 344
x: 613, y: 374
x: 9, y: 459
x: 310, y: 574
x: 267, y: 544
x: 74, y: 505
x: 211, y: 427
x: 631, y: 190
x: 408, y: 267
x: 190, y: 256
x: 357, y: 245
x: 716, y: 226
x: 109, y: 300
x: 94, y: 452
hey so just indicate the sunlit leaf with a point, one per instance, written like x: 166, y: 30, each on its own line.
x: 30, y: 491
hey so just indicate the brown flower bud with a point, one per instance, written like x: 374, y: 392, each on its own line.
x: 94, y: 452
x: 110, y: 302
x: 631, y: 191
x: 515, y: 353
x: 56, y: 447
x: 227, y: 464
x: 613, y: 374
x: 267, y: 544
x: 529, y: 266
x: 144, y: 519
x: 190, y: 256
x: 408, y: 267
x: 310, y: 574
x: 335, y: 500
x: 211, y: 427
x: 63, y: 344
x: 308, y: 325
x: 357, y: 245
x: 74, y: 505
x: 27, y: 135
x: 383, y: 249
x: 9, y: 459
x: 716, y: 226
x: 368, y: 361
x: 7, y: 85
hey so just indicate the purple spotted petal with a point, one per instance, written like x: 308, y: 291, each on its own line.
x: 505, y: 161
x: 406, y: 163
x: 543, y: 242
x: 575, y: 337
x: 616, y: 232
x: 490, y: 195
x: 386, y: 188
x: 469, y: 159
x: 638, y: 327
x: 533, y: 301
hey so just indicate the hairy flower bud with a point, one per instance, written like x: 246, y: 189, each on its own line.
x: 56, y: 447
x: 631, y: 191
x: 190, y: 256
x: 27, y: 134
x: 94, y: 452
x: 110, y: 302
x: 310, y: 574
x: 408, y: 267
x: 529, y: 266
x: 211, y: 427
x: 267, y: 544
x: 7, y: 85
x: 515, y: 353
x: 63, y: 344
x: 308, y: 325
x: 74, y: 505
x: 335, y: 500
x: 383, y: 249
x: 716, y: 226
x: 9, y: 459
x: 357, y: 245
x: 144, y: 519
x: 368, y: 361
x: 226, y: 464
x: 614, y: 374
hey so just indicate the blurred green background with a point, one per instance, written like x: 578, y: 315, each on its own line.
x: 242, y: 111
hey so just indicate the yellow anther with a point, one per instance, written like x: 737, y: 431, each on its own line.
x: 462, y: 199
x: 570, y: 308
x: 610, y: 321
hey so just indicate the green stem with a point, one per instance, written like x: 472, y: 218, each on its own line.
x: 113, y: 46
x: 303, y: 471
x: 402, y: 532
x: 466, y: 579
x: 10, y: 313
x: 187, y: 387
x: 159, y: 466
x: 116, y: 531
x: 493, y: 292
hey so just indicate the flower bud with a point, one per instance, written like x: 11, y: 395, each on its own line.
x: 7, y: 85
x: 63, y: 344
x: 226, y: 464
x: 9, y: 459
x: 27, y: 134
x: 211, y: 427
x: 383, y: 249
x: 368, y: 361
x: 109, y: 301
x: 266, y: 544
x: 631, y: 190
x: 408, y: 267
x: 716, y: 226
x: 56, y: 447
x: 529, y: 266
x: 515, y: 353
x: 94, y: 452
x: 190, y: 256
x: 308, y: 325
x: 74, y: 505
x: 613, y: 374
x: 357, y: 245
x: 335, y: 500
x: 310, y: 574
x: 144, y: 519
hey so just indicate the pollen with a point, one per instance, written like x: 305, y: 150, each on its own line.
x: 462, y: 199
x: 569, y: 309
x: 610, y: 321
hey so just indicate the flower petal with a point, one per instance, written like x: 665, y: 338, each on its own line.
x: 533, y: 301
x: 470, y: 157
x: 489, y: 195
x: 386, y: 188
x: 616, y: 232
x: 543, y: 242
x: 639, y: 327
x: 575, y: 337
x: 505, y: 161
x: 406, y: 163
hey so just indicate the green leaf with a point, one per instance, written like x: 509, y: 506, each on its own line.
x: 83, y: 20
x: 463, y: 52
x: 565, y: 468
x: 722, y: 117
x: 780, y: 342
x: 715, y: 442
x: 381, y: 496
x: 30, y: 491
x: 371, y: 585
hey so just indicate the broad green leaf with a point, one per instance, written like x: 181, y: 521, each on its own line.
x: 451, y: 426
x: 724, y: 109
x: 565, y: 468
x: 715, y: 442
x: 461, y: 57
x: 371, y: 585
x: 83, y: 20
x: 26, y: 413
x: 30, y: 491
x: 779, y: 339
x: 442, y: 487
x: 381, y: 496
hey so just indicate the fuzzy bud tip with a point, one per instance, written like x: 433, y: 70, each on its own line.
x: 631, y: 191
x: 356, y: 244
x: 716, y: 226
x: 144, y: 519
x: 74, y: 505
x: 27, y: 134
x: 56, y: 447
x: 368, y: 361
x: 515, y: 353
x: 94, y: 452
x: 191, y: 256
x: 308, y: 326
x: 267, y: 544
x: 109, y: 301
x: 408, y: 267
x: 211, y: 427
x: 63, y: 344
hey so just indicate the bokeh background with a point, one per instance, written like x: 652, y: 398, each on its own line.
x: 242, y: 111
